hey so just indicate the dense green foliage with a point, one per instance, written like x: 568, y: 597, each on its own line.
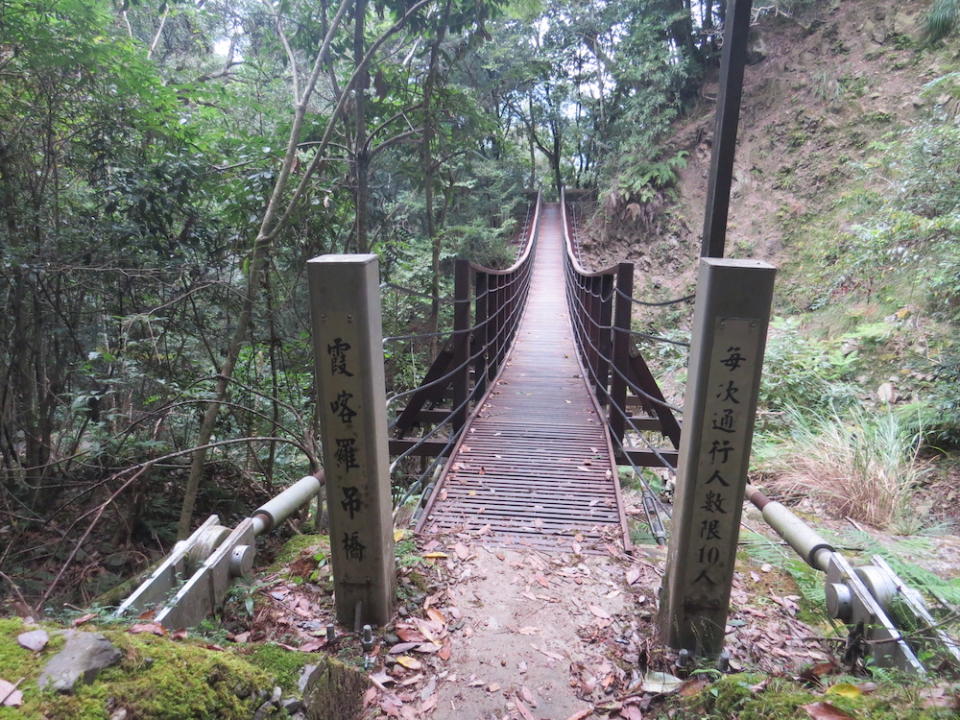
x: 166, y: 168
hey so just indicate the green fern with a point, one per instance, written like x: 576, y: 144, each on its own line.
x: 648, y: 178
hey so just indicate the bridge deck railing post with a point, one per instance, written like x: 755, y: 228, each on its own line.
x: 493, y: 309
x: 623, y: 312
x: 723, y: 381
x: 583, y: 309
x: 461, y: 341
x: 481, y: 334
x: 348, y: 355
x: 606, y: 339
x: 588, y: 328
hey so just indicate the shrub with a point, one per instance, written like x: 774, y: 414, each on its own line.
x: 863, y: 466
x: 801, y: 370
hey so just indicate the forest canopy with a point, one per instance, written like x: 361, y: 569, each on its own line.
x: 166, y: 169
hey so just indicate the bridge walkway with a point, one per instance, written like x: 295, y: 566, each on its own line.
x: 534, y: 466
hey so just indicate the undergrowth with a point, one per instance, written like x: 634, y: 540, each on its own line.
x: 753, y: 697
x: 859, y: 465
x: 809, y: 582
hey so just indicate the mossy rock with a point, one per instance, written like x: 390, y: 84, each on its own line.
x: 285, y: 666
x: 316, y: 544
x: 161, y: 679
x: 334, y: 691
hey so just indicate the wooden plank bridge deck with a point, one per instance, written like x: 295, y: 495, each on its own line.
x: 534, y: 465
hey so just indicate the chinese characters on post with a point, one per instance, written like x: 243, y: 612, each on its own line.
x: 345, y: 311
x: 730, y: 324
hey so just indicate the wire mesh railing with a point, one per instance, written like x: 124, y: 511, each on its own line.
x: 601, y: 309
x: 488, y: 304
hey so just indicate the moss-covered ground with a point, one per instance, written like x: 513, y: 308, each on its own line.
x: 157, y: 677
x: 749, y: 696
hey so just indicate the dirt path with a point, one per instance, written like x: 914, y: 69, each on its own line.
x: 527, y: 616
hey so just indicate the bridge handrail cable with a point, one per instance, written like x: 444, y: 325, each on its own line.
x: 600, y: 303
x: 498, y: 297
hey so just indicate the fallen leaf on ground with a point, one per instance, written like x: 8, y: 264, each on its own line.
x: 528, y: 630
x: 435, y: 555
x: 312, y: 646
x: 632, y: 575
x: 391, y: 705
x: 582, y: 715
x: 382, y: 677
x: 493, y: 687
x: 409, y: 662
x: 631, y: 712
x: 427, y: 648
x: 528, y: 696
x: 814, y: 673
x: 845, y: 690
x: 445, y: 651
x: 524, y: 710
x: 436, y: 616
x: 425, y: 630
x: 153, y: 628
x: 35, y: 640
x: 600, y: 612
x: 461, y: 550
x: 402, y: 647
x: 412, y: 680
x: 660, y: 683
x: 825, y: 711
x: 409, y: 635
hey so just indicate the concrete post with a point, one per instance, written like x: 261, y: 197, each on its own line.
x: 348, y: 352
x: 723, y: 379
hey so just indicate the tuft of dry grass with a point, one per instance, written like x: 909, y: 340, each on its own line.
x: 863, y: 466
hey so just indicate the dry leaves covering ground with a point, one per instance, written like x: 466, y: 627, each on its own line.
x: 517, y: 634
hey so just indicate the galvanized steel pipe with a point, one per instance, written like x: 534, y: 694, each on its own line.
x: 275, y: 511
x: 804, y: 540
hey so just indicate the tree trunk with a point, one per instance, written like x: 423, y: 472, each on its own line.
x: 361, y: 158
x: 429, y: 170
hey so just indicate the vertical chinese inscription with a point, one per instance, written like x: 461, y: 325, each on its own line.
x: 723, y: 465
x: 345, y: 310
x: 726, y: 354
x: 345, y: 451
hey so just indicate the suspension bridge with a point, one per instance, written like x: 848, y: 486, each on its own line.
x: 536, y: 398
x: 539, y: 380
